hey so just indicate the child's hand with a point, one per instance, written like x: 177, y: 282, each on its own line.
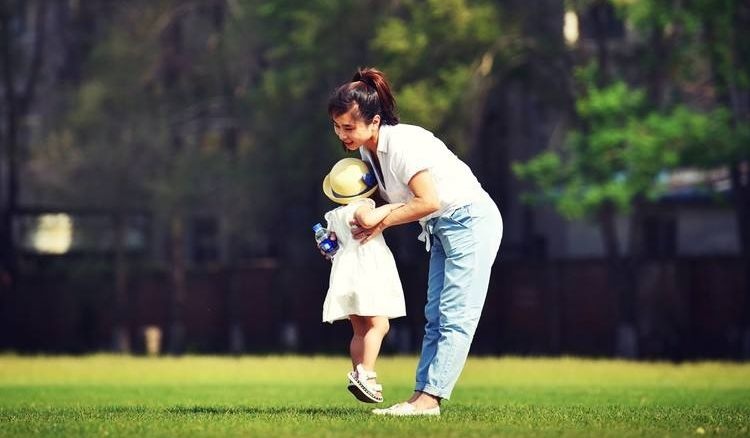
x: 331, y: 236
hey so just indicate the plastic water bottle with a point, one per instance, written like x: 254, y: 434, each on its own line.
x: 328, y: 246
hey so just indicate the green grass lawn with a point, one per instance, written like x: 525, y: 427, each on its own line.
x: 106, y: 395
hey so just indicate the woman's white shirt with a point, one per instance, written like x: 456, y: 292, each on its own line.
x: 404, y: 150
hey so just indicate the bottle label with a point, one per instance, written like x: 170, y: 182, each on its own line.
x: 328, y: 246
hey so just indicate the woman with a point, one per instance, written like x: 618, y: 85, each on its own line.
x: 462, y: 227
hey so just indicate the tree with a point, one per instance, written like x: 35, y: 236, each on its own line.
x: 441, y: 54
x: 610, y: 165
x: 107, y: 141
x: 21, y: 72
x: 719, y: 32
x: 151, y: 128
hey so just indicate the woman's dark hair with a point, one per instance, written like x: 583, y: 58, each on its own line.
x: 370, y: 90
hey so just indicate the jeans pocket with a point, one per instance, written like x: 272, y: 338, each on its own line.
x: 460, y: 216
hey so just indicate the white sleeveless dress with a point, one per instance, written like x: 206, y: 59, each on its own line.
x: 364, y: 280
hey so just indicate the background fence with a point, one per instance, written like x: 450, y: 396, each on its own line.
x: 686, y: 308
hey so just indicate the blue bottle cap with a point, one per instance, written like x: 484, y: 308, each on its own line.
x: 317, y: 226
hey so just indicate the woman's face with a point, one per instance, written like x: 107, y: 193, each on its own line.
x: 355, y: 132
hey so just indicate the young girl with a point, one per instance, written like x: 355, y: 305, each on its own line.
x: 364, y: 283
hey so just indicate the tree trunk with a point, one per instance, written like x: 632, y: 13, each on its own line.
x: 656, y: 72
x: 631, y: 269
x: 176, y: 329
x: 737, y: 99
x: 121, y: 342
x: 741, y: 192
x: 626, y: 337
x: 599, y: 28
x: 10, y: 140
x: 172, y: 75
x: 17, y: 107
x: 234, y: 314
x: 740, y: 98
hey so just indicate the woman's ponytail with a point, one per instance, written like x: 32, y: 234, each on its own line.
x: 370, y: 90
x: 376, y: 79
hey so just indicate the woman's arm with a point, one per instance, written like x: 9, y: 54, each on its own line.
x: 368, y: 217
x: 424, y: 202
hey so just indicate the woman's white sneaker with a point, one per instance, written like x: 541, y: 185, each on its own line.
x: 407, y: 410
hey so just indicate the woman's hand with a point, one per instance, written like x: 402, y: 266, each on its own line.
x: 372, y: 233
x: 368, y: 222
x: 359, y: 232
x: 423, y: 202
x: 363, y: 234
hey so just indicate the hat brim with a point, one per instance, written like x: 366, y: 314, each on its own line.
x: 345, y: 200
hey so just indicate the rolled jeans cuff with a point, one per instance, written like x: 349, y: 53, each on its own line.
x: 432, y: 390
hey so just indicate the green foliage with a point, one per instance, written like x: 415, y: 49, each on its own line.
x: 707, y: 33
x: 433, y: 51
x: 662, y: 14
x: 111, y: 128
x: 432, y: 102
x: 619, y: 152
x: 135, y: 139
x: 167, y: 81
x: 709, y: 27
x: 429, y: 49
x: 136, y: 136
x: 297, y: 53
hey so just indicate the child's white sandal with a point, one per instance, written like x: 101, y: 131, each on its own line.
x: 361, y: 387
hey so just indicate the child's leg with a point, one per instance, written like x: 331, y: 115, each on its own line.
x: 369, y: 332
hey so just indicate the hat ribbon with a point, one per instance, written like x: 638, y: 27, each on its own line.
x: 368, y: 180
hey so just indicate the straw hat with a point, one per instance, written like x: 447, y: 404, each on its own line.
x: 350, y: 179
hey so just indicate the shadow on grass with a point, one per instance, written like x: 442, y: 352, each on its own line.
x: 191, y: 411
x: 235, y: 410
x: 265, y: 411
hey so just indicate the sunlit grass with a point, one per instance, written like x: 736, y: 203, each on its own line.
x: 306, y: 396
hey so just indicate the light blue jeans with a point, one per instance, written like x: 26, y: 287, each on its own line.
x: 465, y: 243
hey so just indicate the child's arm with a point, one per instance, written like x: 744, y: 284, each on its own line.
x: 368, y: 217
